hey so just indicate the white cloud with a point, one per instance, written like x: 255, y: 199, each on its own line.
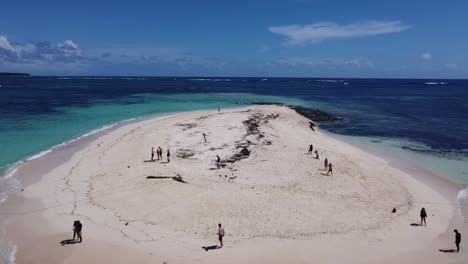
x: 426, y: 56
x: 5, y: 44
x: 65, y: 52
x: 303, y: 34
x: 452, y: 66
x: 327, y: 63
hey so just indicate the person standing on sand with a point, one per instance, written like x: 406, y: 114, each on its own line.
x: 168, y: 156
x: 218, y: 110
x: 457, y: 239
x: 316, y: 155
x: 77, y: 229
x: 220, y: 235
x: 75, y: 232
x: 204, y: 137
x: 311, y: 149
x: 160, y: 153
x: 152, y: 153
x: 325, y: 163
x: 330, y: 169
x: 423, y: 215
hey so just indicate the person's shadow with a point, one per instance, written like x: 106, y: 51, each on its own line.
x: 415, y: 224
x: 68, y: 242
x: 448, y: 250
x: 211, y: 247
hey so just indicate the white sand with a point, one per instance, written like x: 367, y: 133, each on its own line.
x: 277, y: 205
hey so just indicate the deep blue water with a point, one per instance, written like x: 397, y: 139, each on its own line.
x: 39, y: 112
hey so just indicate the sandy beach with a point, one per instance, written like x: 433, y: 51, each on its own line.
x: 275, y: 201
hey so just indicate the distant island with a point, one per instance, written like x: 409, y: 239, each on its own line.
x: 14, y: 74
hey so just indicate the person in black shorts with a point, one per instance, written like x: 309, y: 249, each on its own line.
x: 457, y: 239
x: 330, y: 169
x: 77, y: 226
x: 423, y: 216
x: 74, y: 229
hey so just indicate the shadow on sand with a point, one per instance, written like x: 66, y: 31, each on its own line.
x: 177, y: 178
x: 211, y: 248
x: 448, y: 250
x: 149, y: 161
x: 415, y: 224
x: 68, y: 242
x: 159, y: 177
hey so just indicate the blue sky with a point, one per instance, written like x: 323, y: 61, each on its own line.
x: 302, y: 38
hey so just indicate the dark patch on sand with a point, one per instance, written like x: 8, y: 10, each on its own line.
x: 185, y: 153
x: 186, y: 126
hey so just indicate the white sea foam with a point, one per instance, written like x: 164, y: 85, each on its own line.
x: 7, y: 249
x: 8, y: 185
x: 12, y: 258
x: 38, y: 155
x: 212, y: 80
x: 99, y: 78
x: 8, y: 253
x: 462, y: 200
x: 330, y: 81
x: 435, y: 83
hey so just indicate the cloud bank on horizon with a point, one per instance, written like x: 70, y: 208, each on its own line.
x: 66, y: 52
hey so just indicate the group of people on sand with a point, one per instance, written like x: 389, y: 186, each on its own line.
x: 159, y: 153
x: 423, y: 215
x: 327, y: 166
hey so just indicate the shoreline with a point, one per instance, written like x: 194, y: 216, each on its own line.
x: 78, y: 145
x: 409, y: 167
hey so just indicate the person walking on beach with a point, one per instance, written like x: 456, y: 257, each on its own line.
x: 457, y: 239
x: 220, y: 235
x: 168, y: 156
x: 423, y: 216
x: 325, y: 163
x: 311, y: 149
x: 316, y: 155
x: 204, y: 137
x: 152, y: 153
x: 77, y: 226
x: 330, y: 169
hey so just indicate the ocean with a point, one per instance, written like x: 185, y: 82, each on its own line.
x: 423, y: 121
